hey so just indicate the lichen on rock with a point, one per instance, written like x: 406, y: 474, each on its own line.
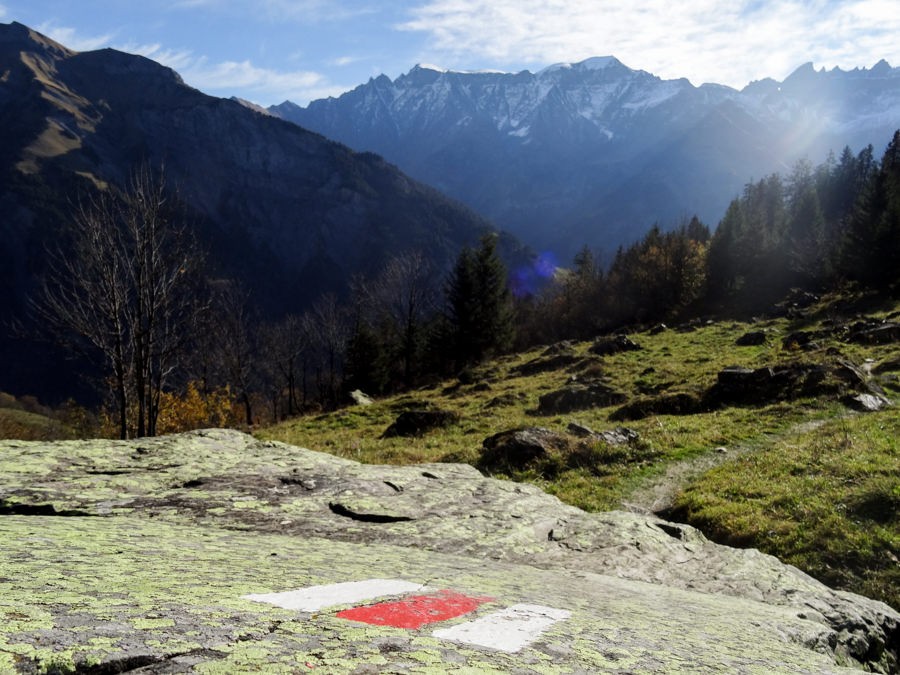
x: 151, y: 544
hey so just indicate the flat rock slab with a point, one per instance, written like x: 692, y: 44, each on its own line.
x: 141, y: 556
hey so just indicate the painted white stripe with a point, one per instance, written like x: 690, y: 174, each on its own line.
x: 508, y: 630
x: 314, y: 598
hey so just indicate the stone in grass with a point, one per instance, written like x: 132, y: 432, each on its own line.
x: 517, y: 449
x: 752, y: 339
x: 613, y: 345
x: 617, y: 436
x: 867, y: 402
x: 579, y: 397
x: 681, y: 403
x: 360, y: 398
x: 417, y: 422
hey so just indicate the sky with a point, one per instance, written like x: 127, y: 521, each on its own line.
x: 269, y: 51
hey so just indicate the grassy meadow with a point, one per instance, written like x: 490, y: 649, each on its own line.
x: 807, y: 480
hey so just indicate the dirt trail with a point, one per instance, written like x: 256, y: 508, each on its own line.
x: 657, y: 494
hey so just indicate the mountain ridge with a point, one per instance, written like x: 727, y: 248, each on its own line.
x: 537, y: 152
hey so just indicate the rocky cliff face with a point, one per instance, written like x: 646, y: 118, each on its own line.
x: 139, y: 553
x: 597, y: 152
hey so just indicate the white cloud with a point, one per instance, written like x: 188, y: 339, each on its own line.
x: 346, y: 60
x: 705, y: 40
x: 2, y: 11
x: 300, y: 11
x: 228, y: 78
x: 258, y: 84
x: 69, y: 37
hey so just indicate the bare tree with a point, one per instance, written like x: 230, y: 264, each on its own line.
x: 329, y: 327
x: 405, y: 295
x: 286, y: 343
x: 234, y: 343
x: 125, y: 292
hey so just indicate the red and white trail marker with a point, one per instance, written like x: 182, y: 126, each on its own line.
x: 314, y: 598
x: 415, y: 611
x: 508, y: 630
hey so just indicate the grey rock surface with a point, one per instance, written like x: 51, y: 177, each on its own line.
x: 169, y: 533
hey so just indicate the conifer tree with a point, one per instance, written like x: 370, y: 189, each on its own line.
x: 871, y: 253
x: 479, y: 304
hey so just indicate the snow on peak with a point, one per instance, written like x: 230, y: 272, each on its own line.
x: 439, y: 69
x: 593, y: 63
x: 598, y: 62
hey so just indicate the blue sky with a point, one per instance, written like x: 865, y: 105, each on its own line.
x: 268, y: 51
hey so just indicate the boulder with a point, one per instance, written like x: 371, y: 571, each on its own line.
x: 613, y: 345
x: 160, y: 542
x: 543, y: 364
x: 887, y: 366
x: 681, y: 403
x: 867, y: 402
x: 579, y: 430
x: 359, y: 398
x: 617, y: 436
x: 882, y: 334
x: 557, y: 348
x: 745, y: 386
x: 517, y: 449
x: 418, y: 422
x: 751, y: 339
x: 579, y: 397
x: 804, y: 340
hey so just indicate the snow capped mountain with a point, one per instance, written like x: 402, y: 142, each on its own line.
x: 596, y: 152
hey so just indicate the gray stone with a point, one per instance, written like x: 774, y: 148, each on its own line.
x: 680, y: 403
x: 543, y: 364
x: 881, y: 334
x: 752, y: 339
x: 418, y: 422
x: 579, y: 397
x: 613, y: 345
x: 516, y: 449
x: 580, y: 430
x: 867, y: 402
x: 201, y: 519
x: 619, y: 436
x: 359, y: 398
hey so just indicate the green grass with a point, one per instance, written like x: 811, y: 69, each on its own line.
x: 809, y: 507
x: 827, y: 502
x: 29, y: 426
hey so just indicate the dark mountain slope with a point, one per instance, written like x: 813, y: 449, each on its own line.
x: 285, y: 210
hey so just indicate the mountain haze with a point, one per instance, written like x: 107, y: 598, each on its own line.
x: 596, y: 152
x: 284, y: 210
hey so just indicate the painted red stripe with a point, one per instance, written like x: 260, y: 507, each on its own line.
x: 415, y: 611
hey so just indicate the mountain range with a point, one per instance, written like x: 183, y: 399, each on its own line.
x: 596, y: 152
x: 285, y: 211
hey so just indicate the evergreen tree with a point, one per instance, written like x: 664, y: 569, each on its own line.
x: 479, y: 304
x: 871, y: 251
x: 806, y: 228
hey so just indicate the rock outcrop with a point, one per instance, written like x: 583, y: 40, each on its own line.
x: 136, y: 554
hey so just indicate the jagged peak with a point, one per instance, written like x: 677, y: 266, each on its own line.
x: 881, y: 68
